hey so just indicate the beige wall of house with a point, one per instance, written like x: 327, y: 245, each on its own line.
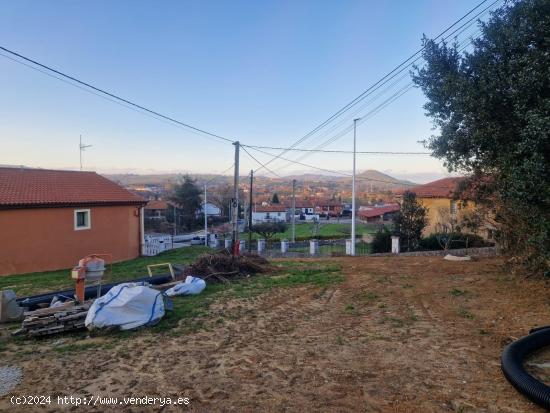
x: 439, y: 209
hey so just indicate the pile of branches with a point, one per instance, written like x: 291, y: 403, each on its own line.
x: 222, y: 266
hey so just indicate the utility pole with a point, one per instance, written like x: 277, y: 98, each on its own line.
x: 250, y: 212
x: 294, y: 210
x: 353, y: 188
x: 81, y: 148
x: 175, y: 224
x: 235, y: 240
x: 205, y: 219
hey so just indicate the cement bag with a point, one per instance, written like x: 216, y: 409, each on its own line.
x: 127, y: 306
x: 191, y: 286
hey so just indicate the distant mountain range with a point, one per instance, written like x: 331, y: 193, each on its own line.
x: 366, y: 180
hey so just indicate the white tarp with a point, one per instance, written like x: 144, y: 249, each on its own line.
x: 191, y: 286
x: 127, y: 305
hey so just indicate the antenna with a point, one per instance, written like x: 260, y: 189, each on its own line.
x: 82, y: 147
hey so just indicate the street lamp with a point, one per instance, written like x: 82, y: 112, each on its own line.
x: 353, y: 188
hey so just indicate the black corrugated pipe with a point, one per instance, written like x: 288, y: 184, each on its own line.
x: 33, y: 302
x: 512, y: 360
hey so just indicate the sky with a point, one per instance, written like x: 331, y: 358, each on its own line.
x: 261, y: 72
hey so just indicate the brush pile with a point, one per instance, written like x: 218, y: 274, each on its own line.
x: 221, y: 266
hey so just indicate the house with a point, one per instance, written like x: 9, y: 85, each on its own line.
x: 330, y: 207
x: 445, y: 202
x: 211, y: 210
x: 378, y: 213
x: 156, y: 209
x: 50, y: 219
x: 305, y: 210
x: 269, y: 213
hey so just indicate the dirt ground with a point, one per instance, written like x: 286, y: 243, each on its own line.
x: 408, y: 334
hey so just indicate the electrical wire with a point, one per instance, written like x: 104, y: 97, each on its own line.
x: 392, y: 74
x: 114, y: 96
x: 258, y: 162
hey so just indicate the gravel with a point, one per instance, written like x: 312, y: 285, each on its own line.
x: 9, y: 378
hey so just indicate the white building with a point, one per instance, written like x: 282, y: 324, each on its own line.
x: 269, y: 213
x: 211, y: 210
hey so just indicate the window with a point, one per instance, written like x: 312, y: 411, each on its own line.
x: 82, y: 219
x: 454, y: 207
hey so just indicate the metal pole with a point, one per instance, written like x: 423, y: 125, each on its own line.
x: 175, y: 224
x: 250, y: 212
x: 293, y: 210
x: 353, y: 189
x: 205, y: 220
x: 236, y: 201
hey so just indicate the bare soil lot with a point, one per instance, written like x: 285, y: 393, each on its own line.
x: 409, y: 334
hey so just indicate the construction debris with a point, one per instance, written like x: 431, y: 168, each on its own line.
x: 65, y: 317
x: 191, y: 286
x: 221, y: 266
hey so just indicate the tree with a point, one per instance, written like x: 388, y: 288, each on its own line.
x: 410, y: 221
x: 275, y: 198
x: 491, y: 107
x: 268, y: 229
x: 187, y: 196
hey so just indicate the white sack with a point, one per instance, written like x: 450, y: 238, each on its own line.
x: 127, y: 305
x: 450, y: 257
x: 191, y: 286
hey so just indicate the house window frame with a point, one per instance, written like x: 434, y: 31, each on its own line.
x: 453, y: 207
x: 88, y: 223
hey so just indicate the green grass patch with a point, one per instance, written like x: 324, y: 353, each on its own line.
x: 456, y: 292
x: 464, y: 312
x: 191, y: 313
x: 330, y: 229
x: 41, y: 282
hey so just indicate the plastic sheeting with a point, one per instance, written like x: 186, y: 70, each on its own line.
x: 127, y: 306
x: 191, y: 286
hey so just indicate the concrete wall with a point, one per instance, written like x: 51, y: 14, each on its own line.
x: 44, y: 239
x: 473, y: 252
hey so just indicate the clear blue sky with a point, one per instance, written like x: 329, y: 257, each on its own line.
x: 264, y: 72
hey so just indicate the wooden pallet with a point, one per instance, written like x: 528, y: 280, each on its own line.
x: 44, y: 321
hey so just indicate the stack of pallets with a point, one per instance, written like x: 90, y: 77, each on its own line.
x: 44, y: 321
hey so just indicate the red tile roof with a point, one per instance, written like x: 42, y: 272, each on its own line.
x: 25, y: 187
x: 270, y: 208
x: 377, y: 211
x: 156, y: 204
x: 442, y: 188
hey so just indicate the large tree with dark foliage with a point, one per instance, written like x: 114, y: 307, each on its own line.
x: 187, y: 196
x: 491, y: 107
x: 410, y: 221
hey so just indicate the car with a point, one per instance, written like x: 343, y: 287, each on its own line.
x: 197, y: 241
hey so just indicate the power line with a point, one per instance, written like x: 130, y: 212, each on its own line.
x: 335, y: 150
x: 112, y: 95
x: 259, y: 163
x: 369, y: 114
x: 392, y: 74
x: 332, y: 171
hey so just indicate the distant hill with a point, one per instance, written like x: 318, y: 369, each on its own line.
x: 366, y: 180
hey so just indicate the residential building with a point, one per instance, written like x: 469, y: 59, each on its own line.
x: 378, y: 213
x: 330, y: 207
x: 50, y: 219
x: 211, y: 210
x: 445, y: 203
x: 269, y: 213
x: 156, y: 209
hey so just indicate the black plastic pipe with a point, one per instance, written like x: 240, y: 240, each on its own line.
x: 512, y: 360
x: 33, y: 302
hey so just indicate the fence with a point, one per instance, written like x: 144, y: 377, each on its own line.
x: 302, y: 249
x: 153, y: 246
